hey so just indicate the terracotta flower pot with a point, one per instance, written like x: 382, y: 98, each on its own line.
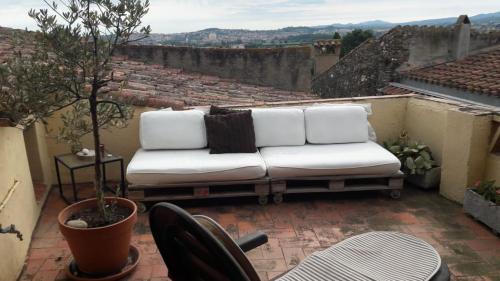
x: 100, y: 250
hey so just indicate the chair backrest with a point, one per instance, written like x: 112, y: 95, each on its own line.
x: 195, y: 251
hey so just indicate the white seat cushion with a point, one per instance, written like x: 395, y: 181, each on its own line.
x: 366, y: 158
x: 278, y: 126
x: 173, y: 130
x: 336, y: 124
x: 180, y: 166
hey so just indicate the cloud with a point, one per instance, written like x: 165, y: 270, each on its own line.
x: 168, y: 16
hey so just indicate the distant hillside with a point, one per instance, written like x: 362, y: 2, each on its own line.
x: 300, y: 34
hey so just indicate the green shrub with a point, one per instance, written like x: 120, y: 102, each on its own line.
x: 416, y: 158
x: 488, y: 190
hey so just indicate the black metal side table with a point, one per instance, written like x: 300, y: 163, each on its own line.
x: 73, y: 162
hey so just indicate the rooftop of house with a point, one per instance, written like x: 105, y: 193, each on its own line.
x: 478, y: 73
x: 157, y: 86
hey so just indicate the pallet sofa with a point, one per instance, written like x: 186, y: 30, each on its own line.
x: 301, y: 150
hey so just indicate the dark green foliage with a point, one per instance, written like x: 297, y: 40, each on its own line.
x: 353, y: 39
x: 31, y: 84
x: 488, y: 190
x: 336, y: 35
x: 416, y: 158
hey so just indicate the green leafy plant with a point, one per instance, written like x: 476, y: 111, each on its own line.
x: 416, y: 158
x: 488, y: 190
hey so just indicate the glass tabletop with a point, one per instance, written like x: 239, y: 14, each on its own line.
x: 72, y: 161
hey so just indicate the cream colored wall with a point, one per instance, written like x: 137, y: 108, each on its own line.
x: 465, y: 152
x: 425, y: 121
x: 388, y: 119
x: 493, y: 168
x: 458, y: 140
x: 21, y: 209
x: 38, y: 154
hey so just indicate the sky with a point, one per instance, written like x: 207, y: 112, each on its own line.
x: 171, y: 16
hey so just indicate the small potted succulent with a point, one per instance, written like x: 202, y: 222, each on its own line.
x: 416, y: 161
x: 482, y: 202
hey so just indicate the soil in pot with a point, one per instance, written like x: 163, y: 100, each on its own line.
x: 93, y: 217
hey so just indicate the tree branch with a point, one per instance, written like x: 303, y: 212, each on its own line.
x: 117, y: 105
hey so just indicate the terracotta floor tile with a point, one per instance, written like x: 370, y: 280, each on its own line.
x: 142, y: 273
x: 293, y: 256
x: 270, y: 265
x: 296, y: 228
x: 159, y: 271
x: 46, y: 275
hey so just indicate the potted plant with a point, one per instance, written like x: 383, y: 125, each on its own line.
x: 483, y: 203
x: 416, y: 161
x: 77, y: 42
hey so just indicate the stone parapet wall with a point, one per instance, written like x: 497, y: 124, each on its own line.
x: 283, y: 68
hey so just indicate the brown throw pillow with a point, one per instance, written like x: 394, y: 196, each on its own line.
x: 231, y: 133
x: 215, y: 110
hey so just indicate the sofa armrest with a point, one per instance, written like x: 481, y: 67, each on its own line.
x: 252, y: 241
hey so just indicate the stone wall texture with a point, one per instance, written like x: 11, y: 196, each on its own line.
x: 282, y: 68
x: 378, y: 61
x: 367, y: 68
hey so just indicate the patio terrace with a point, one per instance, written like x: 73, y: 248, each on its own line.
x: 296, y: 228
x: 464, y: 140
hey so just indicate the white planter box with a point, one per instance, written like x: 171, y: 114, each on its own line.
x: 484, y: 211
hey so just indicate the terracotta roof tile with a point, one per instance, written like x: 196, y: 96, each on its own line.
x: 478, y: 73
x: 156, y: 86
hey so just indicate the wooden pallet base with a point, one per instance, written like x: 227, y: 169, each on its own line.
x: 263, y: 187
x: 187, y: 191
x: 393, y: 183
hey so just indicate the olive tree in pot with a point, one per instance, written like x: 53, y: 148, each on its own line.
x: 80, y: 38
x: 416, y: 161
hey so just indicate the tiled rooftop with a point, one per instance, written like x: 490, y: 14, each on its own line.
x: 393, y: 90
x: 298, y: 227
x: 478, y: 73
x: 156, y: 86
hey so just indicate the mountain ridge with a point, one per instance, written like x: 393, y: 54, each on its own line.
x: 301, y: 34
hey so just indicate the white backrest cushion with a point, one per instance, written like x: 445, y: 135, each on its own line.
x: 278, y: 126
x: 336, y: 124
x: 173, y: 130
x: 366, y: 106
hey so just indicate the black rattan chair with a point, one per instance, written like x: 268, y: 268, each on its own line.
x: 196, y: 248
